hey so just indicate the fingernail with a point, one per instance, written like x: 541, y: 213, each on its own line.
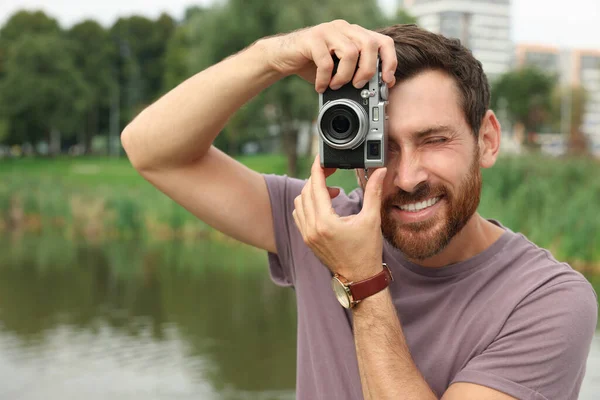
x: 360, y: 84
x: 390, y: 77
x: 336, y: 86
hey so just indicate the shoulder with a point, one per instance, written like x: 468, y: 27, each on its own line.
x: 535, y: 268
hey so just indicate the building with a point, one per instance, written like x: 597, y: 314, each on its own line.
x: 481, y: 25
x: 573, y: 67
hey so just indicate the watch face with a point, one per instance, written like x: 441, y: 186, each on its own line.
x: 340, y: 292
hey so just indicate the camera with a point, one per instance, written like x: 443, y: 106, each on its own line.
x: 352, y: 124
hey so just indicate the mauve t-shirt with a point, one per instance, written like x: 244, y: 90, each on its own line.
x: 511, y: 318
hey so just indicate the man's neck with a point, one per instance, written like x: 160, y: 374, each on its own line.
x: 476, y: 236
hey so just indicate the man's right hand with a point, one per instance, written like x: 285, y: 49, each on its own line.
x: 308, y: 53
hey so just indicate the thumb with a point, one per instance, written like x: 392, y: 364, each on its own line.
x: 373, y: 192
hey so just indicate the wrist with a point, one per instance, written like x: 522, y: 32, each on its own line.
x: 266, y: 50
x: 258, y: 54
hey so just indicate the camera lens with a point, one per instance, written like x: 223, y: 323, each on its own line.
x: 340, y: 124
x: 343, y: 124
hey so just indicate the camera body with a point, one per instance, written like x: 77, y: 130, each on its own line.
x: 352, y: 124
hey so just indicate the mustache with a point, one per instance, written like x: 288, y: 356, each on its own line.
x: 422, y: 192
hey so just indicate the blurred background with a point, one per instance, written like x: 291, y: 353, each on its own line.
x: 110, y: 290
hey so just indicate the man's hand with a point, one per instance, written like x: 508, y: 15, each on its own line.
x: 350, y: 246
x: 307, y: 53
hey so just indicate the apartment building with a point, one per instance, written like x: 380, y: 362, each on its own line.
x: 481, y: 25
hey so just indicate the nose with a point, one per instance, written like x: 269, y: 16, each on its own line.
x: 409, y: 171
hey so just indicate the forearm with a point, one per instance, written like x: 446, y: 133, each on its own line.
x: 181, y: 126
x: 386, y: 367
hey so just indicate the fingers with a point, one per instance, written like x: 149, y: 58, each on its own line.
x: 308, y: 205
x: 320, y: 193
x: 322, y: 59
x: 389, y: 60
x: 373, y: 193
x: 298, y: 215
x: 352, y: 44
x: 347, y: 52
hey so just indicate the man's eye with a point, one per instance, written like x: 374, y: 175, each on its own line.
x: 436, y: 140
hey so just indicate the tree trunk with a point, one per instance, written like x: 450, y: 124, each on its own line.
x: 54, y: 142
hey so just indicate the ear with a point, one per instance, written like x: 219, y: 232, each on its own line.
x: 489, y: 140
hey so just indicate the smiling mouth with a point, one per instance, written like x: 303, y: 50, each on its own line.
x: 419, y: 206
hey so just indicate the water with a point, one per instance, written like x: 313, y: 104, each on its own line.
x: 168, y: 321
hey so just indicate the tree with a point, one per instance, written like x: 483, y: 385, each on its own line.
x: 568, y: 109
x: 292, y: 102
x: 141, y: 44
x: 526, y: 93
x: 41, y: 92
x: 94, y: 56
x: 24, y: 23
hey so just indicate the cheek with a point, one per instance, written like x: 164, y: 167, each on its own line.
x: 447, y: 166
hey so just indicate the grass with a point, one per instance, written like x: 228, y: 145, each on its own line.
x: 552, y: 201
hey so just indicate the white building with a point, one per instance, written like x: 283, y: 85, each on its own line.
x: 481, y: 25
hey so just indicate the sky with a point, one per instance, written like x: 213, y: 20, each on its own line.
x: 566, y: 24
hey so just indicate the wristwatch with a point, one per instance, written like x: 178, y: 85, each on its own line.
x: 350, y: 294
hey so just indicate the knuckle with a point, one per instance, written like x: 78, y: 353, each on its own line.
x: 340, y: 22
x: 371, y: 43
x: 388, y: 40
x: 297, y: 201
x: 351, y: 51
x: 322, y: 230
x: 325, y: 63
x: 311, y: 238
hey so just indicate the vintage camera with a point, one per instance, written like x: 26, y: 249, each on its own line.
x: 352, y: 124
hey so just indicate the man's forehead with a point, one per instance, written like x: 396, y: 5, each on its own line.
x: 427, y: 100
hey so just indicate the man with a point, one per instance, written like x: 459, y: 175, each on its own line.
x: 474, y: 310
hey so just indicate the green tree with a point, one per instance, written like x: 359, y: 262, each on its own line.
x: 94, y: 57
x: 42, y: 93
x: 141, y: 44
x: 568, y: 108
x: 24, y: 23
x: 225, y: 29
x: 526, y: 92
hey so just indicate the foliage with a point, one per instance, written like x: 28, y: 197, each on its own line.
x: 41, y: 82
x: 552, y: 201
x: 575, y: 99
x: 525, y: 93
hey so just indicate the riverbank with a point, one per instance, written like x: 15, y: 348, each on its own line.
x: 552, y: 201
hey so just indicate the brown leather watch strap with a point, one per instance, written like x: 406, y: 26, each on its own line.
x: 368, y: 287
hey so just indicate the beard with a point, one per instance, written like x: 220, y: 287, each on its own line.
x: 421, y: 240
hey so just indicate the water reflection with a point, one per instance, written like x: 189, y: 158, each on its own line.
x: 130, y: 321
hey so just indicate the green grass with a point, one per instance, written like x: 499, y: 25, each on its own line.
x: 552, y: 201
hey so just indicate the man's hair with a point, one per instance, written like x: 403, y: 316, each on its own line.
x: 419, y: 50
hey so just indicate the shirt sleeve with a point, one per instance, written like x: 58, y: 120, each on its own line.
x: 282, y: 192
x: 541, y: 351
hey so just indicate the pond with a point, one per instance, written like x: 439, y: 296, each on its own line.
x: 149, y: 321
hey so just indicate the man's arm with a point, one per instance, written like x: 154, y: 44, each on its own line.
x: 170, y: 142
x: 387, y: 370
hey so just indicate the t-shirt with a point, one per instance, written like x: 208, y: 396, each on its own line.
x: 511, y: 318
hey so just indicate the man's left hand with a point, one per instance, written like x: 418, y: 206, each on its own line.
x: 351, y: 245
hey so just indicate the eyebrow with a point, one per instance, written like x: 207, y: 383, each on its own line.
x: 420, y: 134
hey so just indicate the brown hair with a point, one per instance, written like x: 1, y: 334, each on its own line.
x: 419, y: 50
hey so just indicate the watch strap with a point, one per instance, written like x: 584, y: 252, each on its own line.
x: 362, y: 289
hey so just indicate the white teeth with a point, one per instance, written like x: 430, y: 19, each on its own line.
x: 414, y: 207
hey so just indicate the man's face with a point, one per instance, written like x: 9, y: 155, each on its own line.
x: 433, y: 183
